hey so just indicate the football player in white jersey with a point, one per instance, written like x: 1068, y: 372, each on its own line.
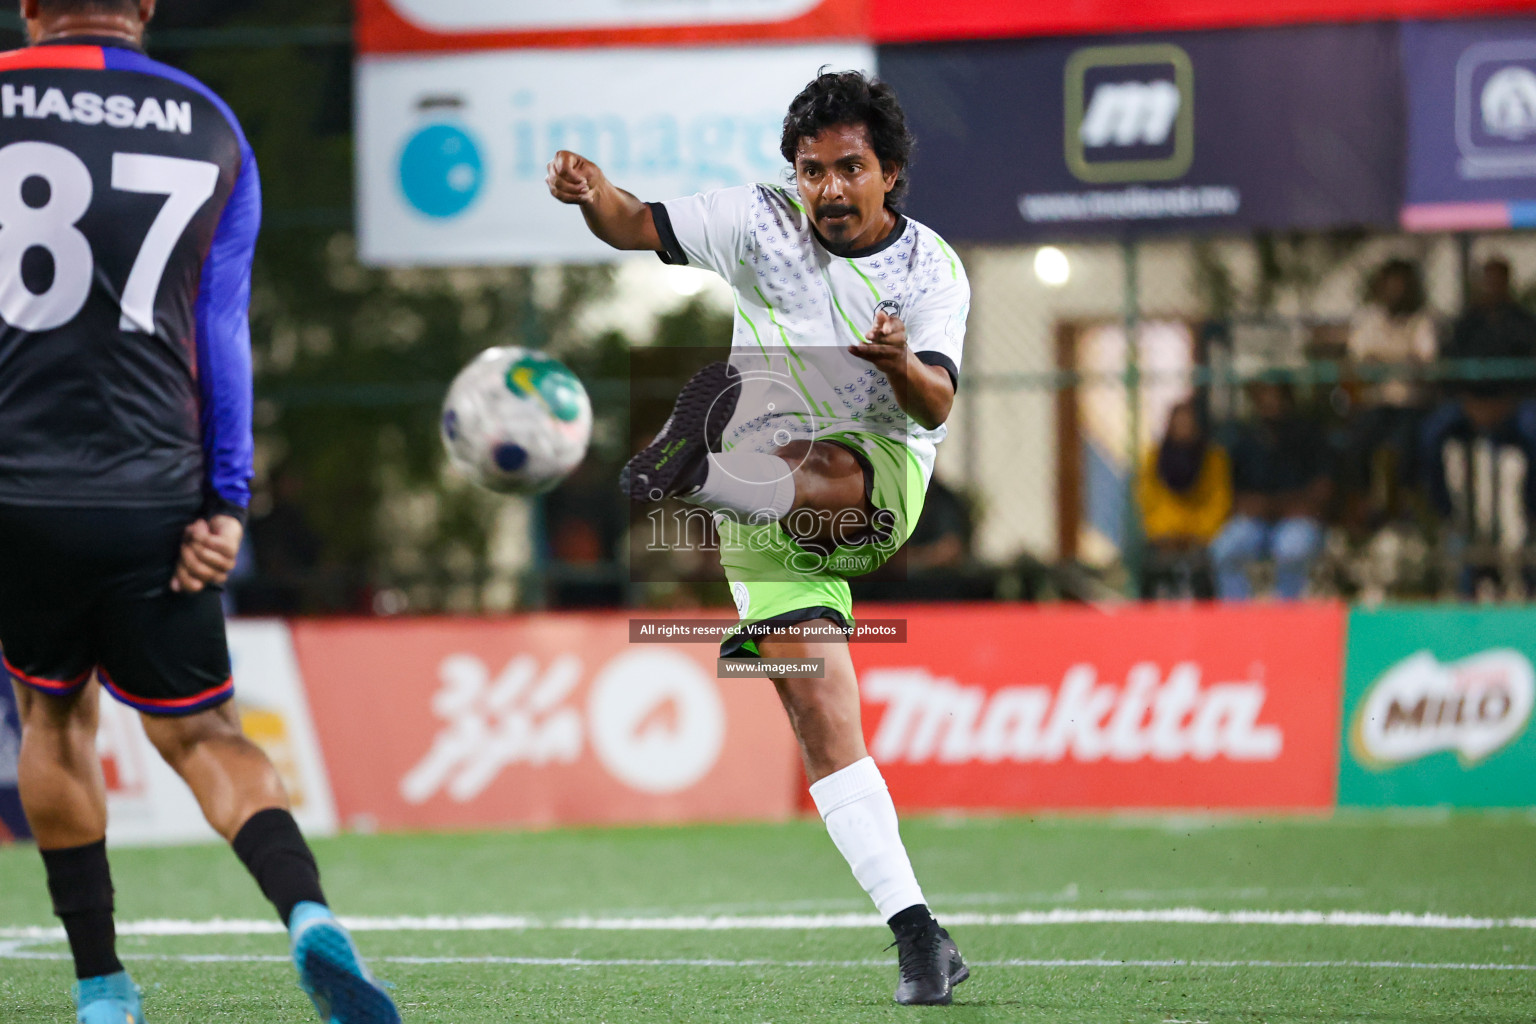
x: 813, y: 446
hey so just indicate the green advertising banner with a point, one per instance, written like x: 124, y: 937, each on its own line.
x: 1437, y: 708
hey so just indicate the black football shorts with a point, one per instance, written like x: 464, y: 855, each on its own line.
x: 87, y: 590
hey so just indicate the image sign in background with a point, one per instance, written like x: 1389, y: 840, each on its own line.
x: 452, y: 149
x: 1437, y: 708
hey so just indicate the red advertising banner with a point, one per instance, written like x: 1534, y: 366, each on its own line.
x: 400, y: 26
x: 538, y: 720
x: 1229, y: 707
x: 914, y: 21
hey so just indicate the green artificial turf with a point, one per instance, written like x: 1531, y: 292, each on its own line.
x: 1478, y: 865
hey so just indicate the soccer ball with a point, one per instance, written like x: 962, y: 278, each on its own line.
x: 516, y: 421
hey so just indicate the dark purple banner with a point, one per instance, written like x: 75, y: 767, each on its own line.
x: 1286, y: 128
x: 1471, y: 125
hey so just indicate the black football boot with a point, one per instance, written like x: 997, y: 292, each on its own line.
x: 675, y: 462
x: 931, y: 965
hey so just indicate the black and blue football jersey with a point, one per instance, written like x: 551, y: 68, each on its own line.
x: 129, y: 209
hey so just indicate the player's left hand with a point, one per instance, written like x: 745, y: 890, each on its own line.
x: 209, y: 548
x: 886, y: 346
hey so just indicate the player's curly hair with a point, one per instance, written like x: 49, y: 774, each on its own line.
x: 851, y: 97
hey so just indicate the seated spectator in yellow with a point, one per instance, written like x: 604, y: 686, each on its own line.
x: 1185, y: 488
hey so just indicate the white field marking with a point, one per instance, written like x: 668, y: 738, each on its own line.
x: 10, y: 951
x: 1073, y: 893
x: 811, y: 922
x: 1068, y: 894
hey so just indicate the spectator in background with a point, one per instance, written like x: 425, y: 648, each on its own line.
x: 585, y: 520
x: 942, y: 537
x: 1185, y: 493
x: 1393, y: 334
x: 1479, y: 448
x: 1280, y: 484
x: 1481, y: 453
x: 936, y: 563
x: 1495, y: 326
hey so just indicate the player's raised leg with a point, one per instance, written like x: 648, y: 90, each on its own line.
x: 821, y: 478
x: 853, y: 801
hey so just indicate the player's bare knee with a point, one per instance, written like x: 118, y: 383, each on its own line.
x: 817, y: 700
x: 178, y: 738
x: 829, y: 478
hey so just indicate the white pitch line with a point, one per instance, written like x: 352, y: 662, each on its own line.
x: 814, y: 922
x: 539, y: 961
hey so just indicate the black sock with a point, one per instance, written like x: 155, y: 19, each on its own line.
x: 915, y: 916
x: 275, y: 853
x: 80, y: 883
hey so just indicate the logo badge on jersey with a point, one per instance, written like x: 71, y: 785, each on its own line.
x: 890, y: 307
x: 441, y: 170
x: 1130, y: 113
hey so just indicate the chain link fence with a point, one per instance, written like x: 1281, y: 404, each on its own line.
x: 1422, y: 458
x: 1422, y: 486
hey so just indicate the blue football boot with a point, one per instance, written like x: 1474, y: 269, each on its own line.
x: 108, y: 999
x: 332, y: 973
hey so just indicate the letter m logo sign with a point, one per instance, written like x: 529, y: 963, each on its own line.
x: 1130, y: 113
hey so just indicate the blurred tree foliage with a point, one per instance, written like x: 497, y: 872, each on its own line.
x: 351, y: 361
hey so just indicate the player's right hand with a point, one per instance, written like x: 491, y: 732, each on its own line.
x: 209, y: 548
x: 572, y: 178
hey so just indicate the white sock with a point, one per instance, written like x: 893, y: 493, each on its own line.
x: 861, y: 818
x: 760, y: 488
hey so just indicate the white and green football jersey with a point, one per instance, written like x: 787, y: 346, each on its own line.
x: 798, y: 308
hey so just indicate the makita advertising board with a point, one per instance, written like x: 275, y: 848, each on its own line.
x: 1297, y: 128
x: 1147, y: 706
x: 1471, y: 125
x: 1437, y: 708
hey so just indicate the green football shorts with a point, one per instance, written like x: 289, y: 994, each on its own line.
x: 776, y: 581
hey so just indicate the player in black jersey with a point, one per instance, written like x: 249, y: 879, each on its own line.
x: 129, y: 209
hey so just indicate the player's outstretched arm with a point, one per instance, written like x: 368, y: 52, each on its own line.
x: 614, y: 215
x: 923, y: 392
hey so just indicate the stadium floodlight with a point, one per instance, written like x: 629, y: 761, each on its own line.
x: 1052, y: 266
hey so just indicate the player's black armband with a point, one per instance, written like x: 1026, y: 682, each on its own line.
x: 671, y: 252
x: 217, y: 506
x: 940, y: 359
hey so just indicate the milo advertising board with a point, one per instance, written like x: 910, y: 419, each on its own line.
x: 1437, y: 708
